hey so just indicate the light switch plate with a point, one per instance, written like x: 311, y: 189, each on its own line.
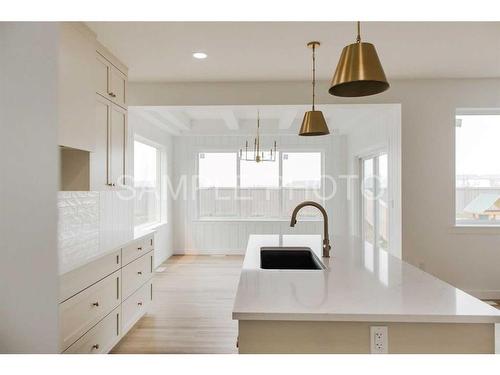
x: 379, y: 340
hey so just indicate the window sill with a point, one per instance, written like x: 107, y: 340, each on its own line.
x: 143, y: 230
x: 475, y: 229
x: 220, y: 219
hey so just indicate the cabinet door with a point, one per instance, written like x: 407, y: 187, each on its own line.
x: 100, y: 162
x: 102, y: 77
x: 118, y: 86
x: 76, y: 86
x: 118, y: 143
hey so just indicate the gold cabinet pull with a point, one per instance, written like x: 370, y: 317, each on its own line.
x: 95, y: 346
x: 139, y: 272
x: 139, y: 248
x: 139, y: 303
x: 96, y: 304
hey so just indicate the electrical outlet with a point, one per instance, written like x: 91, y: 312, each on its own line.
x: 379, y: 340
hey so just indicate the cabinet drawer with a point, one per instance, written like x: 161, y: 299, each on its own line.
x: 80, y: 278
x: 101, y: 338
x: 137, y: 248
x: 81, y: 312
x: 135, y: 306
x: 135, y: 274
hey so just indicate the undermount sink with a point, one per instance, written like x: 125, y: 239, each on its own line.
x: 289, y: 258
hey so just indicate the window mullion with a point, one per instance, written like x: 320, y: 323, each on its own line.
x: 376, y: 202
x: 238, y: 186
x: 280, y: 185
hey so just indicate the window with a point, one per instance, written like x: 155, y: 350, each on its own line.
x: 302, y: 170
x: 217, y: 182
x: 217, y: 170
x: 477, y: 170
x: 375, y: 197
x: 230, y: 187
x: 259, y: 175
x: 149, y: 205
x: 301, y: 182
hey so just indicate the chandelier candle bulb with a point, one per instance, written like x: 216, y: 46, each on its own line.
x: 258, y: 155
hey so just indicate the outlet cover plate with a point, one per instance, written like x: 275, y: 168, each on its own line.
x: 379, y: 340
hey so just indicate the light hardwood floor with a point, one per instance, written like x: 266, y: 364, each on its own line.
x: 191, y: 310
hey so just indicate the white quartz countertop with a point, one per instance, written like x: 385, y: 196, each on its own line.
x: 359, y: 284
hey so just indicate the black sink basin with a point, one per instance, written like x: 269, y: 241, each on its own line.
x: 289, y: 258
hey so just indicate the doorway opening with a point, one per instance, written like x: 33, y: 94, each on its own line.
x: 375, y: 204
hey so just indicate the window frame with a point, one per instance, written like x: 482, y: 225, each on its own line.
x: 468, y: 226
x: 238, y: 217
x: 161, y: 173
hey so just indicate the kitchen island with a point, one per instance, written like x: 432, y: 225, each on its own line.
x: 332, y: 310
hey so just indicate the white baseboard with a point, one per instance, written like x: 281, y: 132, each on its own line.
x: 209, y: 252
x: 485, y: 294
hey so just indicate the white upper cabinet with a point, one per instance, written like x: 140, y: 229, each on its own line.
x: 77, y: 80
x: 112, y: 82
x: 118, y: 145
x: 100, y: 176
x: 108, y: 160
x: 118, y: 86
x: 102, y: 76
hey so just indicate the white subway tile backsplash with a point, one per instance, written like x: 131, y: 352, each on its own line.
x: 91, y: 224
x: 78, y: 229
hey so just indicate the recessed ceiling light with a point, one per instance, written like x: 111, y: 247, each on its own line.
x: 200, y: 55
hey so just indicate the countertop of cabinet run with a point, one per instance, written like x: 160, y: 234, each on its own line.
x: 103, y: 252
x: 143, y: 233
x: 359, y: 284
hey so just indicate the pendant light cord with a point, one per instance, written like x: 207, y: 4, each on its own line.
x: 258, y: 132
x: 358, y: 38
x: 314, y: 74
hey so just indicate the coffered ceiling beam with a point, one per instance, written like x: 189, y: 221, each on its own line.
x: 230, y: 119
x: 176, y: 118
x: 286, y: 119
x: 153, y: 118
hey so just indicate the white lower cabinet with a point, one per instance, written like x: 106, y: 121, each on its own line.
x: 83, y: 311
x: 135, y: 306
x: 137, y: 249
x: 101, y: 338
x: 137, y: 273
x: 95, y: 318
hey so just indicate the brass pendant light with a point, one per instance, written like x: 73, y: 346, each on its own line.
x: 359, y: 72
x: 314, y: 122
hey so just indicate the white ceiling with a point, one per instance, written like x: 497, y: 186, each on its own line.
x: 271, y: 51
x: 242, y: 120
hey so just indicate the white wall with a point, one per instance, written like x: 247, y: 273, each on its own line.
x: 468, y: 259
x: 230, y: 237
x: 164, y: 236
x: 29, y: 179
